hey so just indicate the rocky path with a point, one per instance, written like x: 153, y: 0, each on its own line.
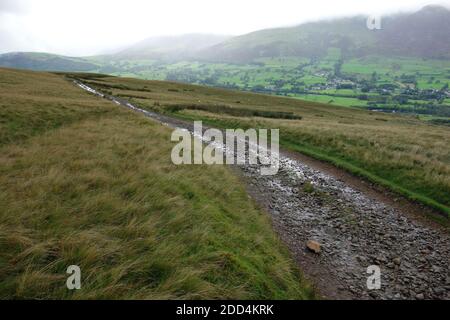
x: 354, y: 231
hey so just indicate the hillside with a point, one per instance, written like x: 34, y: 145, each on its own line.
x: 397, y: 151
x: 424, y: 34
x: 403, y: 68
x: 307, y: 40
x: 85, y: 182
x: 44, y: 62
x: 327, y: 205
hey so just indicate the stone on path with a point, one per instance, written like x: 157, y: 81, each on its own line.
x: 314, y: 246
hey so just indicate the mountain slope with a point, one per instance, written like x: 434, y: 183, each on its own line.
x: 307, y: 40
x: 425, y: 34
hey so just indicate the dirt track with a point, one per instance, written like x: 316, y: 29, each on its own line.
x: 356, y: 224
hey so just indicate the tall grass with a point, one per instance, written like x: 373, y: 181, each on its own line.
x: 102, y: 193
x: 32, y: 103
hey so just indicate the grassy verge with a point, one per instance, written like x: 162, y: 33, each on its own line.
x: 103, y: 194
x: 370, y: 177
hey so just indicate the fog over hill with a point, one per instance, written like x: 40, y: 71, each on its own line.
x: 172, y: 47
x: 422, y: 34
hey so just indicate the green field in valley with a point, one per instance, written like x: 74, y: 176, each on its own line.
x: 406, y: 85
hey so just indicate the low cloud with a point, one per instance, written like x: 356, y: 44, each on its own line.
x: 12, y: 6
x: 88, y: 27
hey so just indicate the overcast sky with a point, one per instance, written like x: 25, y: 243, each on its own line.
x: 86, y: 27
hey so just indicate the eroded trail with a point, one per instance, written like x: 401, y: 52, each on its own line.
x: 354, y: 229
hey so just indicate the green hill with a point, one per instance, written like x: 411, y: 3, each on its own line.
x: 424, y: 34
x: 44, y: 62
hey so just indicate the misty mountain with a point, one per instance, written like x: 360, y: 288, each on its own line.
x: 171, y: 47
x: 424, y: 34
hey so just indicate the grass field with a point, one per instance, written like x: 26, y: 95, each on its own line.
x: 430, y: 74
x: 337, y: 101
x: 86, y: 183
x: 398, y: 151
x: 392, y: 84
